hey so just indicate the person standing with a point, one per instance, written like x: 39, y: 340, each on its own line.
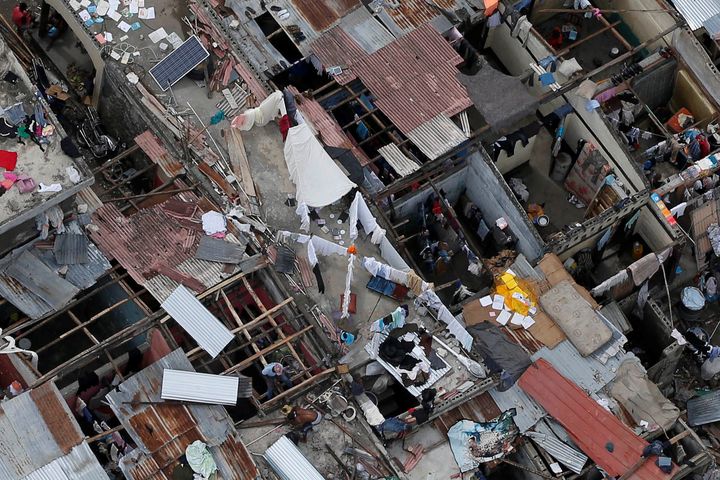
x: 21, y: 17
x: 272, y: 372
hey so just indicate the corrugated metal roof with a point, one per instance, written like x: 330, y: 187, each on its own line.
x: 413, y: 79
x: 199, y: 387
x: 528, y: 412
x: 36, y: 277
x: 563, y: 453
x: 71, y: 248
x: 245, y: 388
x: 398, y: 161
x: 162, y: 431
x: 407, y: 15
x: 614, y: 314
x: 218, y: 250
x: 81, y: 276
x: 210, y: 334
x: 157, y: 245
x: 704, y: 409
x: 36, y: 429
x: 695, y: 12
x: 152, y: 147
x: 366, y: 30
x: 712, y: 25
x: 335, y: 48
x: 287, y: 461
x: 587, y: 372
x: 321, y: 14
x: 79, y: 464
x: 437, y: 136
x: 590, y: 426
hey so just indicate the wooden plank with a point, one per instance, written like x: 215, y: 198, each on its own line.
x: 248, y: 361
x: 239, y: 161
x: 209, y: 172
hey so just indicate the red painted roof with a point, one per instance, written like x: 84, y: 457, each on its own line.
x: 590, y: 426
x: 414, y: 79
x: 337, y: 48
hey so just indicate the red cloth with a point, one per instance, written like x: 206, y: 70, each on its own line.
x: 284, y: 126
x: 21, y: 19
x: 704, y: 146
x: 8, y: 160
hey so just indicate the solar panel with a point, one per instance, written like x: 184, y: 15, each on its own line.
x: 179, y: 63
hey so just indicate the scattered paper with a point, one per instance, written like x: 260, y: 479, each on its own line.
x: 136, y: 54
x: 124, y: 26
x: 517, y: 319
x: 498, y: 302
x: 53, y: 187
x: 84, y: 15
x: 102, y: 8
x: 115, y: 55
x: 644, y: 424
x: 89, y: 22
x: 85, y: 3
x: 503, y: 317
x: 133, y: 78
x: 75, y: 5
x: 114, y: 4
x: 556, y: 468
x: 133, y: 7
x: 123, y: 38
x: 108, y: 36
x: 486, y: 300
x: 136, y: 26
x: 157, y: 35
x: 492, y: 314
x: 101, y: 39
x: 175, y: 41
x: 527, y: 322
x: 113, y: 14
x: 141, y: 3
x: 73, y: 174
x: 125, y: 58
x: 147, y: 13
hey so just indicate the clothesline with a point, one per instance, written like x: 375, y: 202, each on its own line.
x: 643, y: 133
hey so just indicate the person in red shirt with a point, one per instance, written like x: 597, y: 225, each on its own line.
x: 22, y: 18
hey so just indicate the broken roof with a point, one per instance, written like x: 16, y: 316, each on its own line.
x: 29, y: 277
x: 412, y: 79
x: 157, y: 245
x: 41, y: 439
x: 163, y: 430
x: 48, y: 166
x: 590, y: 426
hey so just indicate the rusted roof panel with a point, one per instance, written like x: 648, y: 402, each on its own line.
x: 58, y: 419
x: 337, y: 49
x: 164, y: 431
x: 149, y: 144
x: 414, y: 79
x: 322, y: 14
x: 589, y: 425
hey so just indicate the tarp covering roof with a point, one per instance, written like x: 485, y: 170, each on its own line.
x: 319, y: 181
x: 503, y: 100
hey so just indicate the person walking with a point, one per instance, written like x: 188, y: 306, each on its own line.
x: 22, y: 18
x: 273, y: 372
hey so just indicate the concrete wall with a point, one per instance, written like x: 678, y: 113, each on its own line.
x: 452, y: 185
x: 696, y: 58
x: 489, y: 192
x: 88, y: 42
x: 644, y: 25
x: 522, y: 155
x: 652, y: 229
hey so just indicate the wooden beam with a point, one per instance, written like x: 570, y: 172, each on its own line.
x: 271, y: 318
x: 575, y: 44
x: 239, y: 322
x: 109, y: 163
x: 248, y: 361
x: 149, y: 194
x: 300, y: 386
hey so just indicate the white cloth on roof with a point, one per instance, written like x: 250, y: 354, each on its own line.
x: 318, y: 180
x: 360, y: 211
x: 348, y: 285
x: 312, y: 256
x: 269, y: 109
x: 679, y: 209
x: 372, y: 413
x: 616, y: 279
x: 569, y: 67
x: 521, y: 30
x: 325, y: 247
x: 304, y: 213
x: 200, y: 459
x: 213, y: 222
x: 391, y: 256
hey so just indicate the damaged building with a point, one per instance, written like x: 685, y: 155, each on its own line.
x: 338, y: 239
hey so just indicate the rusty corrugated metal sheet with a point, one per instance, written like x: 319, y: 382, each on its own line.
x: 411, y: 14
x: 413, y: 79
x: 58, y: 419
x: 321, y: 14
x: 337, y: 48
x: 154, y: 240
x: 163, y: 431
x: 149, y: 144
x: 589, y: 425
x: 330, y: 132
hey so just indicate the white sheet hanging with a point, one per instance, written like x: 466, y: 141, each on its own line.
x: 348, y: 285
x: 304, y: 212
x: 360, y: 211
x: 318, y: 180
